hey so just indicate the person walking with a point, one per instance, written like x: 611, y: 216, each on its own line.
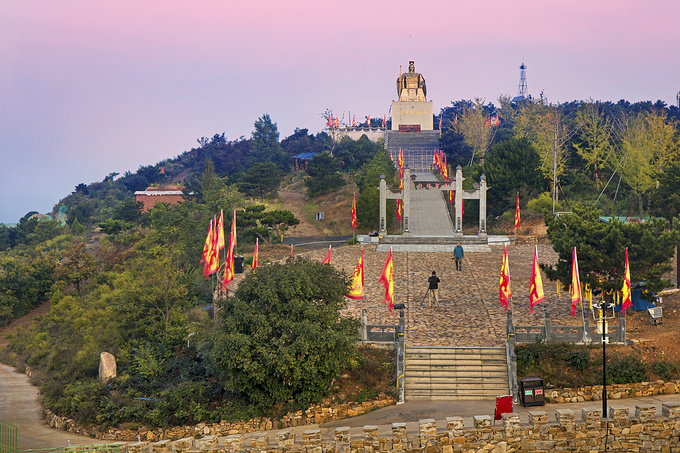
x: 458, y: 255
x: 433, y: 290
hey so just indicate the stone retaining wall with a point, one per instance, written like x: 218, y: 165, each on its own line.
x: 643, y: 432
x: 313, y: 415
x: 614, y: 391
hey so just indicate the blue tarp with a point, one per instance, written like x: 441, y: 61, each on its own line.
x: 304, y: 156
x: 639, y: 304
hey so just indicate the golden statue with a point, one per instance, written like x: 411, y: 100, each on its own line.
x: 411, y: 85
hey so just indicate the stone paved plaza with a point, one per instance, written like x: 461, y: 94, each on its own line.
x: 469, y: 312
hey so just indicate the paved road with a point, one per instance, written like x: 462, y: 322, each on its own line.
x: 18, y: 406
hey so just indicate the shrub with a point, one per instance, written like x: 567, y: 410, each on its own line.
x: 665, y: 370
x: 626, y: 370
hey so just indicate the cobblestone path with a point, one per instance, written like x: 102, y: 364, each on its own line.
x: 469, y: 313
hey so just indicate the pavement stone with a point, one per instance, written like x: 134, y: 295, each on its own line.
x: 469, y: 313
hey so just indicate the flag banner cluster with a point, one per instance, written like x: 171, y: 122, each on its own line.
x: 387, y: 279
x: 332, y: 121
x: 384, y: 121
x: 229, y: 265
x: 356, y: 288
x: 575, y: 283
x: 400, y: 201
x: 368, y: 121
x: 210, y: 255
x: 504, y: 291
x: 327, y: 260
x: 354, y: 121
x: 439, y: 162
x: 517, y: 214
x: 492, y: 121
x: 354, y: 211
x: 536, y: 295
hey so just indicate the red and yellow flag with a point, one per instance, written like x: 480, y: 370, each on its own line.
x: 451, y: 199
x: 536, y: 295
x: 220, y: 231
x: 356, y: 288
x: 387, y: 279
x: 354, y: 211
x: 210, y: 255
x: 256, y: 254
x: 625, y: 291
x: 517, y: 214
x: 229, y: 265
x: 327, y: 260
x: 435, y: 159
x: 504, y: 291
x: 575, y: 283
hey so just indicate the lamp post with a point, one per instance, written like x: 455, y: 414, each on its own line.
x: 602, y: 326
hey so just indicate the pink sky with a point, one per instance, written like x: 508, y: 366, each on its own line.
x: 91, y: 87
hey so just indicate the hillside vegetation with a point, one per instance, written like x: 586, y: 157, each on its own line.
x: 131, y: 282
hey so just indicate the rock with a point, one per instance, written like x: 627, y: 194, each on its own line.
x: 107, y: 367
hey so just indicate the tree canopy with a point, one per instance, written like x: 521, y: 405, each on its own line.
x: 601, y: 247
x: 281, y: 336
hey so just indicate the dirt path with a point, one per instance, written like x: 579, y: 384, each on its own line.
x: 19, y: 406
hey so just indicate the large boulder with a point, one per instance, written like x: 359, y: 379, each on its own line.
x: 107, y: 366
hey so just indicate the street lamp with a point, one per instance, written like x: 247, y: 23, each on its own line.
x: 601, y: 320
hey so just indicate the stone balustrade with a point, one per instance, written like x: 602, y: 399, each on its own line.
x: 644, y: 432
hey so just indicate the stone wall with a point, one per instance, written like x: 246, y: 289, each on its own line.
x: 623, y: 432
x: 314, y: 415
x: 614, y: 391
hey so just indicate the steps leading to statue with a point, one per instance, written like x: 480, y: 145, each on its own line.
x: 464, y: 373
x: 434, y: 240
x: 412, y: 140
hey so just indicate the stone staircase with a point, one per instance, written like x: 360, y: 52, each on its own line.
x: 460, y: 373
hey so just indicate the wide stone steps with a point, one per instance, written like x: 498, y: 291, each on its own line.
x: 455, y: 373
x: 433, y: 240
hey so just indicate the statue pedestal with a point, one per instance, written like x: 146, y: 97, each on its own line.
x: 412, y: 113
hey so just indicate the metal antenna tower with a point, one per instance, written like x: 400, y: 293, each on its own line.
x: 678, y: 98
x: 522, y: 90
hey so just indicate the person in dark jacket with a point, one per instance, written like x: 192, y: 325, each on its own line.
x: 458, y: 255
x: 433, y: 290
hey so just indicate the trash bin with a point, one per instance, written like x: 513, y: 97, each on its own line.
x: 531, y: 392
x: 238, y: 264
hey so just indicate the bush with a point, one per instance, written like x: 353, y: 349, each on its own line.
x: 559, y: 364
x: 665, y: 370
x: 626, y: 370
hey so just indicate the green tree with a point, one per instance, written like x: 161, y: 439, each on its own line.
x: 664, y: 200
x: 512, y: 166
x: 595, y: 146
x: 648, y: 142
x: 266, y: 143
x: 473, y: 125
x: 161, y: 286
x: 24, y: 284
x: 323, y: 175
x: 601, y: 247
x: 77, y: 266
x: 267, y: 225
x: 281, y: 337
x: 261, y: 179
x: 549, y: 129
x: 354, y: 154
x: 76, y: 228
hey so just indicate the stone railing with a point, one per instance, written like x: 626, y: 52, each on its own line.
x: 314, y: 415
x: 614, y: 391
x: 643, y: 432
